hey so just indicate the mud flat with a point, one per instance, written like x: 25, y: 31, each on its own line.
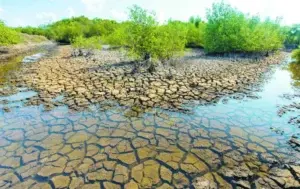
x: 87, y: 140
x: 107, y: 76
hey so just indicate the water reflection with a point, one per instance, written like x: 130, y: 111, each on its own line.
x: 294, y: 68
x: 8, y: 67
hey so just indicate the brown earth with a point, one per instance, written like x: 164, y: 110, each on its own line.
x: 107, y: 76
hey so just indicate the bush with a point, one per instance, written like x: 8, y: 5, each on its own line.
x: 99, y: 27
x: 146, y: 39
x: 195, y: 35
x: 169, y: 41
x: 8, y: 36
x: 66, y: 30
x: 87, y: 43
x: 292, y: 35
x: 296, y: 55
x: 229, y: 30
x: 140, y: 32
x: 32, y: 30
x: 118, y: 37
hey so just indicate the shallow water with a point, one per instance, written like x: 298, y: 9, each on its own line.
x: 14, y: 64
x: 232, y: 143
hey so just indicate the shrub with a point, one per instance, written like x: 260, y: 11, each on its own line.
x: 195, y: 35
x: 292, y: 35
x: 296, y: 55
x: 140, y: 32
x: 229, y: 30
x: 32, y: 30
x: 99, y: 27
x: 87, y: 43
x: 145, y: 38
x: 118, y: 37
x: 169, y: 41
x: 8, y: 36
x: 67, y: 30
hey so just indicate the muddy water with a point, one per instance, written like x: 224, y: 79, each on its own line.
x: 9, y: 66
x: 236, y: 143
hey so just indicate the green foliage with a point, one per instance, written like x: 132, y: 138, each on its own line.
x: 229, y: 30
x: 140, y: 32
x: 100, y: 27
x: 144, y: 37
x: 87, y: 43
x: 195, y: 34
x: 32, y: 30
x: 66, y: 30
x: 118, y: 37
x: 169, y: 41
x: 296, y: 55
x: 195, y: 21
x: 226, y: 30
x: 8, y: 36
x: 294, y: 68
x: 292, y: 35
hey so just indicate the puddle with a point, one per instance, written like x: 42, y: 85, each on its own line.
x: 14, y: 64
x: 33, y: 58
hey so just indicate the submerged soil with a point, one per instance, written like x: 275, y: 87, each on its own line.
x: 107, y: 128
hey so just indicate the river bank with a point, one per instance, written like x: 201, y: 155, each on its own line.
x: 29, y: 44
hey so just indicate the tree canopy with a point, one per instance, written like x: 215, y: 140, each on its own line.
x: 8, y: 36
x: 229, y: 30
x: 225, y: 30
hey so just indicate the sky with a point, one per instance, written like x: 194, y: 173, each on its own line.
x: 39, y: 12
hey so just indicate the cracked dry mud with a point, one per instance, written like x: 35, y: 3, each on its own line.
x: 110, y: 146
x: 106, y: 149
x: 106, y: 76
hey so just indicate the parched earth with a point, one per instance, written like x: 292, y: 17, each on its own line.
x: 111, y: 146
x: 106, y: 149
x: 106, y: 76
